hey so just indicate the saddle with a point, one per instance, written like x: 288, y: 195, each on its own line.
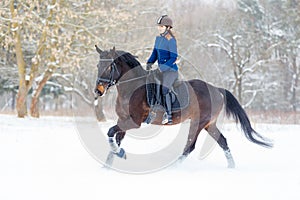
x: 180, y: 93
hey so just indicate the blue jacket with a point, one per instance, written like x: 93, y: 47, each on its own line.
x: 165, y: 53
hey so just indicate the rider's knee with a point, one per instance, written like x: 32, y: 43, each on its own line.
x: 165, y: 90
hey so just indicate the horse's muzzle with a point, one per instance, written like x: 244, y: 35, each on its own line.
x: 100, y: 90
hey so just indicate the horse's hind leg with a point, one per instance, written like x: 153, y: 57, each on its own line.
x: 194, y: 131
x: 215, y: 133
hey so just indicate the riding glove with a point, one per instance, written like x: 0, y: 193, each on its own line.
x: 149, y: 66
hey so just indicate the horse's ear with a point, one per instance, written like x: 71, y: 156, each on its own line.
x: 98, y: 50
x: 113, y: 51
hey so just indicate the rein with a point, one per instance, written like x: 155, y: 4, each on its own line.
x: 111, y: 81
x: 132, y: 79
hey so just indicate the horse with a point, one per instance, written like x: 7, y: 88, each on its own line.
x: 122, y: 70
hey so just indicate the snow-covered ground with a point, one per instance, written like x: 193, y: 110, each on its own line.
x: 45, y: 159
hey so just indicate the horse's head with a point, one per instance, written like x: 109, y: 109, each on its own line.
x: 108, y: 72
x: 112, y: 66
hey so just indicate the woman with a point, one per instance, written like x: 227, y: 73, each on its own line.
x: 165, y: 53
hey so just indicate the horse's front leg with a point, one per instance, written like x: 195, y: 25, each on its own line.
x: 114, y: 142
x: 116, y: 134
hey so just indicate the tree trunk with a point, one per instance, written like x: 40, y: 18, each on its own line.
x: 240, y: 85
x: 99, y: 112
x: 34, y: 109
x: 294, y: 84
x: 13, y: 102
x: 22, y: 93
x: 21, y: 102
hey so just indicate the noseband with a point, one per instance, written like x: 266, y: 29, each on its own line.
x: 110, y: 81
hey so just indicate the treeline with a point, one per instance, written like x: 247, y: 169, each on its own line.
x: 251, y: 47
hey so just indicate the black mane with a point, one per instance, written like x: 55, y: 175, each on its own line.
x: 129, y: 59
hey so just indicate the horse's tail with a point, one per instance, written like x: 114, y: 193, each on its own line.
x: 234, y: 109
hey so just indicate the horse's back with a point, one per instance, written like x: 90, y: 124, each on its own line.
x: 207, y: 94
x: 203, y: 87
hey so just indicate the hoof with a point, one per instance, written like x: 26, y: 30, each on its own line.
x: 182, y: 158
x: 231, y: 165
x: 109, y: 160
x: 121, y: 154
x: 230, y: 160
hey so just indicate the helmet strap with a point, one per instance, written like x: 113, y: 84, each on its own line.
x: 165, y: 33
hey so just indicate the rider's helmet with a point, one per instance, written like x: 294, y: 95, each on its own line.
x: 165, y: 21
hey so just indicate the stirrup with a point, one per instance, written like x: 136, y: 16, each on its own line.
x: 151, y: 117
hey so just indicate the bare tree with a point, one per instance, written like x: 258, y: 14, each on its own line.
x: 52, y: 44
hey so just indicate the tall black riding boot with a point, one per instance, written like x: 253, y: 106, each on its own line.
x: 167, y: 118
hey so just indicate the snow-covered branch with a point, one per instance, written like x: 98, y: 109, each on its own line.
x: 250, y: 101
x: 223, y: 39
x: 222, y: 47
x: 80, y: 94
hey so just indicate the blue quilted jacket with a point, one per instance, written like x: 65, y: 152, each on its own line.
x: 165, y: 53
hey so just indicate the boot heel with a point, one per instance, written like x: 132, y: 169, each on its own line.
x: 170, y: 121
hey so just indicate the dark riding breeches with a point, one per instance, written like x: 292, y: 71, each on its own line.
x: 168, y: 79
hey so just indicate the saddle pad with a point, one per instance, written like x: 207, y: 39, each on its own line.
x: 180, y: 91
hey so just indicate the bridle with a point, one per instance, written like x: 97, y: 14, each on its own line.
x: 110, y: 81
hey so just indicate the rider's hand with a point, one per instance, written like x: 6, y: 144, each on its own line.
x: 149, y: 66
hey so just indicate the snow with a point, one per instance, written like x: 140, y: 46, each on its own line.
x: 45, y: 159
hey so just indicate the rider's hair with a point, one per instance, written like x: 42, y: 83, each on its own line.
x: 170, y: 34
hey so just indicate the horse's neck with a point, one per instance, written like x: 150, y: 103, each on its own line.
x: 132, y: 74
x: 131, y: 80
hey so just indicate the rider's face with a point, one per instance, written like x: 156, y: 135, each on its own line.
x: 161, y: 29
